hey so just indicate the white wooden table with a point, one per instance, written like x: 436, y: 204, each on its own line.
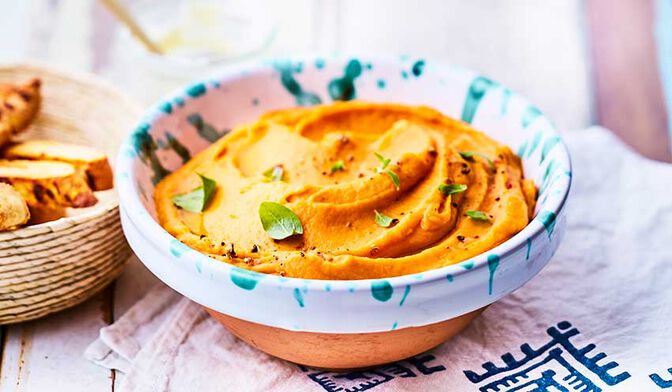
x: 535, y: 47
x: 46, y: 354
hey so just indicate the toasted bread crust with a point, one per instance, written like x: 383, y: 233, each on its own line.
x: 13, y: 208
x: 48, y: 184
x: 92, y: 162
x: 41, y: 215
x: 18, y: 107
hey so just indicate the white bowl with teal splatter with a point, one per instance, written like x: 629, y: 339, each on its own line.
x: 191, y: 119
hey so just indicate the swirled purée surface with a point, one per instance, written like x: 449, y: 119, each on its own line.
x: 341, y: 239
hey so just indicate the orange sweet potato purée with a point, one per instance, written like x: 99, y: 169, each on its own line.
x: 457, y: 192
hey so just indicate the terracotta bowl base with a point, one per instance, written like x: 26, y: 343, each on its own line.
x: 346, y: 351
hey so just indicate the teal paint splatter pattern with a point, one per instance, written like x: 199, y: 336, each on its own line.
x: 477, y: 89
x: 548, y: 146
x: 145, y: 147
x: 302, y: 97
x: 298, y: 296
x: 493, y: 263
x: 407, y: 290
x: 166, y: 107
x: 547, y: 218
x: 205, y: 130
x: 506, y: 98
x: 548, y: 173
x: 529, y: 248
x: 468, y: 265
x: 381, y: 290
x: 246, y: 280
x: 531, y: 113
x: 196, y: 90
x: 343, y: 88
x: 536, y: 139
x: 522, y: 149
x: 178, y: 147
x: 177, y: 248
x: 418, y: 67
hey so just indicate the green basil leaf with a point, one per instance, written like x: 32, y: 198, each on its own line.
x: 383, y: 161
x: 450, y: 189
x: 469, y: 155
x: 383, y: 220
x: 276, y: 173
x: 337, y: 166
x: 395, y: 179
x: 279, y: 221
x: 198, y: 199
x: 478, y: 215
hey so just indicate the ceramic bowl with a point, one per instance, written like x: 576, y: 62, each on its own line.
x: 341, y: 324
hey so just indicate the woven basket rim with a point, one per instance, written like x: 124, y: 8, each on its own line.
x: 83, y: 78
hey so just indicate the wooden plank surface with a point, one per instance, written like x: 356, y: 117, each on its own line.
x: 46, y: 354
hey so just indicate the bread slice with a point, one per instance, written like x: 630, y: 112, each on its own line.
x: 18, y: 107
x: 89, y: 160
x: 48, y: 184
x: 13, y: 209
x: 42, y: 214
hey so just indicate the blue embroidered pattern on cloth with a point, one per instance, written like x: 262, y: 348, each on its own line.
x: 660, y: 381
x: 358, y: 381
x: 558, y: 365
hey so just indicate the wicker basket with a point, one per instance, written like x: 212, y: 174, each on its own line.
x: 51, y: 266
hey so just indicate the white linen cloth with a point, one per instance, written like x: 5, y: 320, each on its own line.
x: 611, y: 280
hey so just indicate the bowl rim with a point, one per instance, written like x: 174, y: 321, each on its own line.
x: 150, y: 229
